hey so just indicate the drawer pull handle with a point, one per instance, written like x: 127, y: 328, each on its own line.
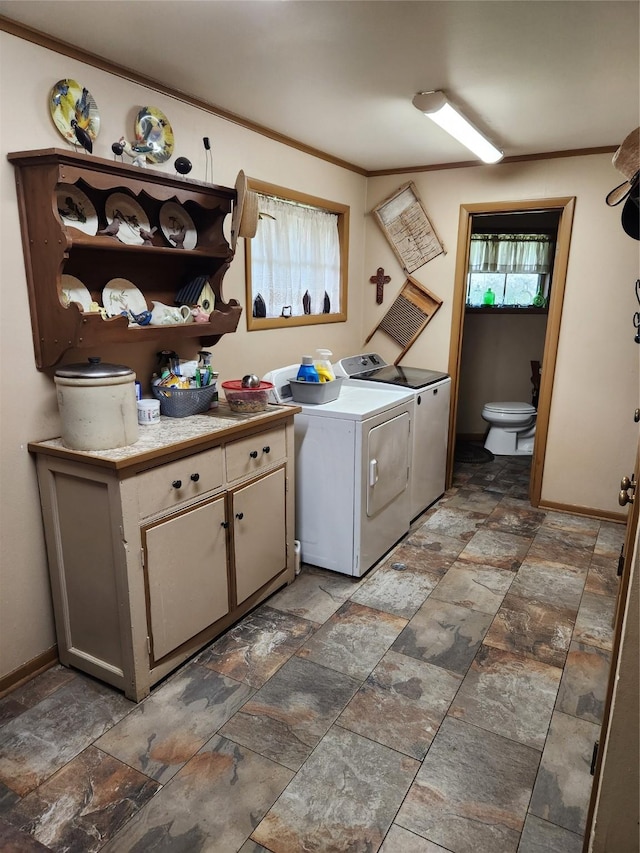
x: 195, y: 477
x: 254, y: 454
x: 239, y: 516
x: 224, y: 524
x: 177, y: 484
x: 266, y: 449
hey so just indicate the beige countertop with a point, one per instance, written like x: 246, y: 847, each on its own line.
x: 173, y: 437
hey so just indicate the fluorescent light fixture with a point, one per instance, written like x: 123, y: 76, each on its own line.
x: 436, y: 106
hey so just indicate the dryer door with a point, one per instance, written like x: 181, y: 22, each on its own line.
x: 387, y: 460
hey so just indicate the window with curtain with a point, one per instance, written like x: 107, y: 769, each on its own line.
x: 510, y: 270
x: 296, y: 263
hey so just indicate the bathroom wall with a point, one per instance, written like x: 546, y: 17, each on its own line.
x: 496, y: 353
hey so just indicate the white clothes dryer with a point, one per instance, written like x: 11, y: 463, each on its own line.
x: 431, y: 391
x: 352, y: 463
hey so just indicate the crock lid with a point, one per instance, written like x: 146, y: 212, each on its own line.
x: 510, y: 408
x: 236, y: 385
x: 93, y: 369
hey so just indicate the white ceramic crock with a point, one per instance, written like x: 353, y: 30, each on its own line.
x: 97, y: 404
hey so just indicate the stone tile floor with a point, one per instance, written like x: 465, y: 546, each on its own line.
x: 448, y: 701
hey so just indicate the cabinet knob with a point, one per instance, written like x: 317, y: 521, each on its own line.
x: 177, y: 484
x: 224, y: 524
x: 254, y: 454
x: 195, y: 477
x: 266, y: 449
x: 239, y: 516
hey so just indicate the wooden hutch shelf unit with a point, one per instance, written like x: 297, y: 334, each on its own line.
x: 52, y: 248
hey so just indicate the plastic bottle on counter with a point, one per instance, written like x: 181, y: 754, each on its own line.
x: 322, y: 365
x: 307, y: 371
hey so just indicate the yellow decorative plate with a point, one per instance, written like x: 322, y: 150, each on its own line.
x: 154, y: 136
x: 69, y: 101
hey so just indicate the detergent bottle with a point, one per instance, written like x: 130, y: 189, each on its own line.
x: 322, y: 365
x: 306, y: 371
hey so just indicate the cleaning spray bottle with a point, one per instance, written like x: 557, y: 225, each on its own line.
x: 322, y: 365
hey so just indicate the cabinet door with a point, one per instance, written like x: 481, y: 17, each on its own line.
x: 259, y: 533
x: 186, y: 575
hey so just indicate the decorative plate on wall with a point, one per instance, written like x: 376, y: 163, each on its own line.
x: 177, y: 226
x: 69, y: 101
x: 132, y: 218
x: 154, y: 135
x: 76, y: 209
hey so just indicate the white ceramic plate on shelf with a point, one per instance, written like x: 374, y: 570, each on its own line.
x: 122, y: 295
x: 73, y: 290
x: 75, y: 209
x: 132, y: 218
x: 174, y: 221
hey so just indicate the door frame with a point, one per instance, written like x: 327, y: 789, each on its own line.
x: 565, y: 206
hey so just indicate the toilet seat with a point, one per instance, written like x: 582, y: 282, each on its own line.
x: 510, y: 408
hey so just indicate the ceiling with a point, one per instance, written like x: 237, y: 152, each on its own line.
x: 537, y: 77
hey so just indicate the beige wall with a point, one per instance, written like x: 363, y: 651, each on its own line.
x: 596, y: 375
x: 496, y: 354
x: 592, y: 436
x: 28, y: 405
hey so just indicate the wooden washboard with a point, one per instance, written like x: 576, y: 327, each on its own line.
x: 409, y: 313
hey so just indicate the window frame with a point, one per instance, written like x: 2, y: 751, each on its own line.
x: 342, y: 211
x: 543, y: 284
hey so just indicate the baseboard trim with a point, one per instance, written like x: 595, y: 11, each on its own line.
x: 29, y: 670
x: 602, y: 514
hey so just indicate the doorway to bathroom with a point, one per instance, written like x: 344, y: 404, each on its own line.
x: 495, y: 336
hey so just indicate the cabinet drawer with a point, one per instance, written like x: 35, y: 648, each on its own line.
x: 169, y: 485
x: 250, y: 455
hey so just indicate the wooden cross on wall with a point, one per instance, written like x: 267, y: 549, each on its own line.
x: 380, y: 279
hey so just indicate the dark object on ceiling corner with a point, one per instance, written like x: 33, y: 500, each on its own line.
x: 631, y: 211
x: 627, y: 161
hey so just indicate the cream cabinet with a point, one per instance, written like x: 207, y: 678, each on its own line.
x: 157, y: 548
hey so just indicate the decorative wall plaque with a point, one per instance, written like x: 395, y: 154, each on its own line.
x: 405, y: 224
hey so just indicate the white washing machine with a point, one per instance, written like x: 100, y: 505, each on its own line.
x: 352, y: 461
x: 431, y: 391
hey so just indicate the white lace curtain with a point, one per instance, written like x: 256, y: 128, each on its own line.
x: 511, y: 253
x: 294, y: 253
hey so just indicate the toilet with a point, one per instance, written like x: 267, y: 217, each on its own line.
x: 512, y: 428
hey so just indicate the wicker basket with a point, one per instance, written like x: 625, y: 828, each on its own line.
x: 182, y: 402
